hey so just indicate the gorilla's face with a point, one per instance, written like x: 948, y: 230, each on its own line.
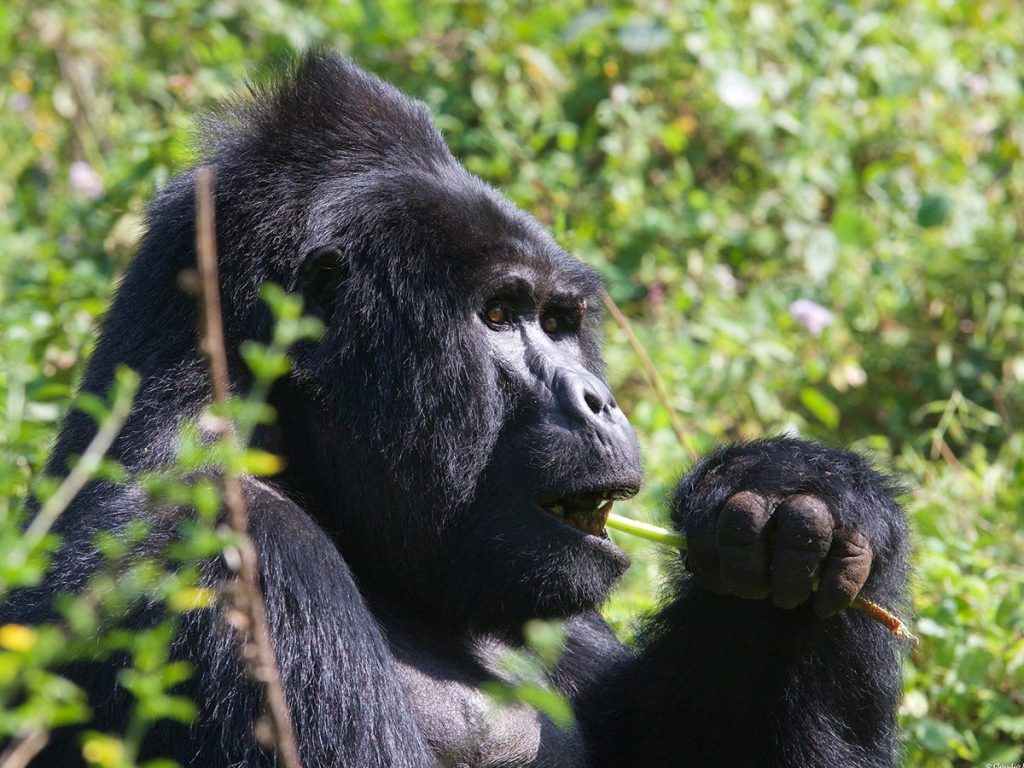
x: 452, y: 429
x: 470, y: 364
x: 565, y: 451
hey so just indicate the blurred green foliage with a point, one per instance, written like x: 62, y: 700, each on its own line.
x: 717, y: 161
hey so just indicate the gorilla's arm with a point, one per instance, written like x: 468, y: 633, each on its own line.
x: 338, y: 673
x: 347, y: 705
x: 721, y: 680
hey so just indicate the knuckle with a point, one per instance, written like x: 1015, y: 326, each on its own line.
x: 804, y: 506
x: 795, y: 566
x: 742, y: 519
x: 846, y: 572
x: 848, y: 583
x: 853, y: 542
x: 746, y: 503
x: 804, y: 524
x: 787, y: 599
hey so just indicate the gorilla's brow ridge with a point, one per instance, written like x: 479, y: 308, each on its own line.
x: 549, y: 287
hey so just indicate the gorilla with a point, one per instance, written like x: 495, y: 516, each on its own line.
x: 452, y: 451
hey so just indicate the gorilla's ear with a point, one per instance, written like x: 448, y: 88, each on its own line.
x: 320, y: 280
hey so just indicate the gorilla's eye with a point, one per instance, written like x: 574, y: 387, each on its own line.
x: 561, y: 320
x: 497, y: 314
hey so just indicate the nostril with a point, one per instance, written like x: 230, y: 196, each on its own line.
x: 593, y: 402
x: 582, y: 396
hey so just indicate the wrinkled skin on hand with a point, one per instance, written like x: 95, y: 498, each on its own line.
x: 758, y: 546
x: 764, y: 524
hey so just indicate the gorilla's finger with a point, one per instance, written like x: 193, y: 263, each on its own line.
x: 846, y: 569
x: 743, y: 546
x: 702, y: 557
x: 803, y: 535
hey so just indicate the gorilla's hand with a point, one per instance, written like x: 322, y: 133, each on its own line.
x: 754, y: 546
x: 775, y: 517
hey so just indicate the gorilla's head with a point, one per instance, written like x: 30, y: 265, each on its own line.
x: 452, y: 429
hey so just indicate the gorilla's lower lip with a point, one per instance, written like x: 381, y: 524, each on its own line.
x: 597, y: 538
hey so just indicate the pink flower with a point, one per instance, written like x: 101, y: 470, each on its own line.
x: 811, y: 315
x: 84, y: 180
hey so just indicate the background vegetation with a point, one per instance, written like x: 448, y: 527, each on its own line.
x: 718, y: 161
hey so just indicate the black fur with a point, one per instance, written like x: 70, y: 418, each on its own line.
x: 405, y: 543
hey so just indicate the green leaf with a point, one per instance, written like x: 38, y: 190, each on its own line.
x: 266, y: 364
x: 643, y: 36
x: 1012, y: 725
x: 546, y: 639
x: 938, y: 738
x: 849, y: 225
x: 160, y: 706
x: 261, y: 463
x: 933, y: 211
x: 823, y: 409
x: 548, y: 702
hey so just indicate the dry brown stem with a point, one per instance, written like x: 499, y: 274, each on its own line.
x: 248, y: 610
x: 20, y: 753
x: 652, y: 376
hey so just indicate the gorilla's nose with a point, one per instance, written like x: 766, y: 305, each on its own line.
x: 585, y: 398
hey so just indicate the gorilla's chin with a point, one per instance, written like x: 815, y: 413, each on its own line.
x: 559, y: 569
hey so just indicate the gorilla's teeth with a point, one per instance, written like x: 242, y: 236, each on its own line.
x: 587, y: 513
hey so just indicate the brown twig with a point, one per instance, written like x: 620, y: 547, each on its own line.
x: 248, y: 613
x: 950, y: 458
x: 20, y: 753
x: 652, y: 376
x: 886, y: 618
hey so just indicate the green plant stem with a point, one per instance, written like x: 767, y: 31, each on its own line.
x: 86, y: 467
x: 646, y: 531
x: 660, y: 535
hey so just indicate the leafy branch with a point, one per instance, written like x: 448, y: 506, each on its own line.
x: 90, y: 462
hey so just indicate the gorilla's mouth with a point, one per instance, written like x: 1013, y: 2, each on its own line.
x: 587, y: 511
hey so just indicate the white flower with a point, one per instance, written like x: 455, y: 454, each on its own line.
x: 737, y: 90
